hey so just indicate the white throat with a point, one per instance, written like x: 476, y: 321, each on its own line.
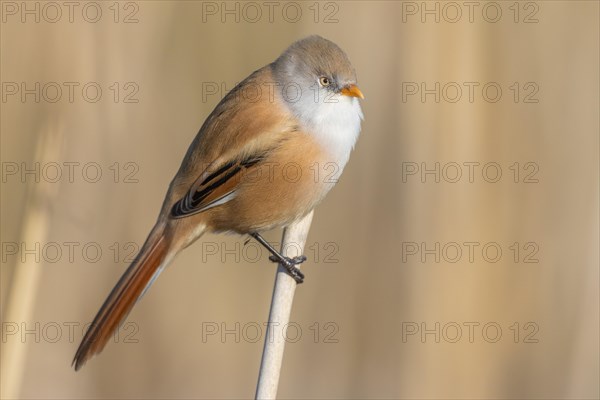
x: 335, y: 123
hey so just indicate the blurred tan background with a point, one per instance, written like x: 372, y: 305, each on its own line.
x: 378, y: 316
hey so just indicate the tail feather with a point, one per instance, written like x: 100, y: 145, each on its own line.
x: 153, y: 257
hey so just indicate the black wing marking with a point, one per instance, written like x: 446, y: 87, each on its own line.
x: 194, y: 201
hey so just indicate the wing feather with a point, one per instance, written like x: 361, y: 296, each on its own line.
x: 212, y: 189
x: 235, y: 137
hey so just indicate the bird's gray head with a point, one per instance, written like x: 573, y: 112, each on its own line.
x: 318, y: 85
x: 314, y: 71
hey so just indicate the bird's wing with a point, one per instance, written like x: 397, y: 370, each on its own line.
x: 235, y: 137
x: 216, y: 185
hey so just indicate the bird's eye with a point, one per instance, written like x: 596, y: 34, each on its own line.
x: 324, y: 81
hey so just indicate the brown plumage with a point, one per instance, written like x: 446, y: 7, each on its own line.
x: 250, y: 168
x: 122, y: 298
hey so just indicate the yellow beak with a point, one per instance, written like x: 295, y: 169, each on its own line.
x: 352, y: 91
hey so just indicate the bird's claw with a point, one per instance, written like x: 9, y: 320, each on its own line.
x: 290, y: 265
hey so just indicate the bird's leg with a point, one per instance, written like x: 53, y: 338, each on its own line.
x: 288, y: 263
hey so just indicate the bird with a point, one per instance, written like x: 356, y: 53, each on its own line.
x: 236, y: 175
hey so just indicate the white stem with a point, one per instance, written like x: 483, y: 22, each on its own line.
x: 292, y: 245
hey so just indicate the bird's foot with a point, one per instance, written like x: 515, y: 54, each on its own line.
x: 290, y: 265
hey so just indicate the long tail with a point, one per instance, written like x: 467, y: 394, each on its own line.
x: 156, y: 253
